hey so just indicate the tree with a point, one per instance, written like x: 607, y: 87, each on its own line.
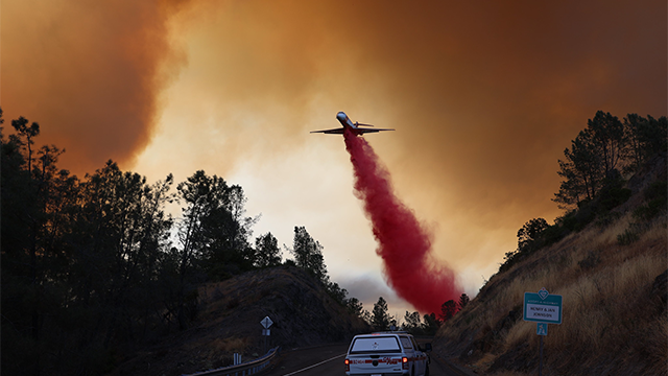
x: 27, y: 132
x: 609, y: 140
x: 430, y: 324
x: 336, y: 292
x: 203, y: 196
x: 213, y: 231
x: 529, y: 233
x: 34, y: 196
x: 601, y: 150
x: 21, y: 308
x: 243, y: 252
x: 226, y: 230
x: 448, y: 310
x: 412, y: 322
x: 647, y: 137
x: 380, y: 318
x: 88, y: 249
x: 582, y: 170
x: 463, y: 301
x: 529, y: 238
x: 267, y: 252
x: 355, y: 307
x: 656, y: 136
x: 308, y: 254
x: 366, y: 316
x: 118, y: 240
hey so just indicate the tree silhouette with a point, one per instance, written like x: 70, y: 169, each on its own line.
x: 604, y: 148
x: 609, y: 140
x: 529, y: 233
x: 463, y: 301
x: 308, y: 254
x: 380, y: 318
x: 413, y: 322
x: 448, y: 310
x: 28, y: 133
x: 267, y: 252
x: 355, y: 307
x: 119, y: 237
x: 647, y: 137
x: 90, y: 250
x: 582, y: 170
x: 213, y: 231
x: 430, y: 323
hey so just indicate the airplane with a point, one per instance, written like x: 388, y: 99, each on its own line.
x: 354, y: 127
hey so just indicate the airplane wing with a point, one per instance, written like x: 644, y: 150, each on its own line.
x: 330, y: 131
x: 366, y: 130
x: 357, y: 131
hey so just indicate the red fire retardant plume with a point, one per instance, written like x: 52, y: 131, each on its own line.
x: 403, y: 243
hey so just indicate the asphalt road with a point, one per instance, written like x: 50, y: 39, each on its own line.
x: 328, y: 361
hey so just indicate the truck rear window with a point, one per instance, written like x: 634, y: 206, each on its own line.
x: 375, y: 344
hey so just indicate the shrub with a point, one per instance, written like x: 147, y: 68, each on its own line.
x: 613, y: 197
x: 629, y: 236
x: 607, y: 219
x: 658, y: 189
x: 657, y: 202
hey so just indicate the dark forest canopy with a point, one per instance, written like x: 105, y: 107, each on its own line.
x: 605, y: 151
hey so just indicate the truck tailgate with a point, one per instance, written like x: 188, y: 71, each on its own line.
x: 381, y: 364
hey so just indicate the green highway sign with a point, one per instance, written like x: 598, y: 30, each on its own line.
x: 542, y: 307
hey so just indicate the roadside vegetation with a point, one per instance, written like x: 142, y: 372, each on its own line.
x: 606, y: 256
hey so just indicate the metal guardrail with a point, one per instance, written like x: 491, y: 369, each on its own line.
x: 243, y: 369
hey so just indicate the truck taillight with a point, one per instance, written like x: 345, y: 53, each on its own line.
x: 347, y: 363
x: 404, y: 363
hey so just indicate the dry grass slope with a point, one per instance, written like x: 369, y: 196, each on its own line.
x: 614, y: 307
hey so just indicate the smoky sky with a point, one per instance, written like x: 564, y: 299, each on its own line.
x: 89, y: 72
x: 484, y: 96
x: 518, y: 72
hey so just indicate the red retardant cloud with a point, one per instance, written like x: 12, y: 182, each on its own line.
x: 403, y: 243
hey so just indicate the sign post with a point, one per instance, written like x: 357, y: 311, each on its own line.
x: 542, y: 308
x: 266, y: 323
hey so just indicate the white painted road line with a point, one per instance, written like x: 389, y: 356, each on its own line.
x: 315, y: 365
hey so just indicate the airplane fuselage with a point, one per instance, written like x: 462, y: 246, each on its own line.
x: 345, y: 120
x: 356, y: 128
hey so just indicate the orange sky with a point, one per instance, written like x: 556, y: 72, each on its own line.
x: 484, y: 97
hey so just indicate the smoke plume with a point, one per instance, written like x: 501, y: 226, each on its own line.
x: 403, y: 243
x: 90, y: 73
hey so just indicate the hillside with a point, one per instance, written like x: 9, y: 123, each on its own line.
x: 229, y: 321
x: 612, y: 275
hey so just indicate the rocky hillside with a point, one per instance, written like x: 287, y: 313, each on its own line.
x: 229, y: 321
x: 612, y: 276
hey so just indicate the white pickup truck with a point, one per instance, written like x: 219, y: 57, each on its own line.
x: 386, y: 353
